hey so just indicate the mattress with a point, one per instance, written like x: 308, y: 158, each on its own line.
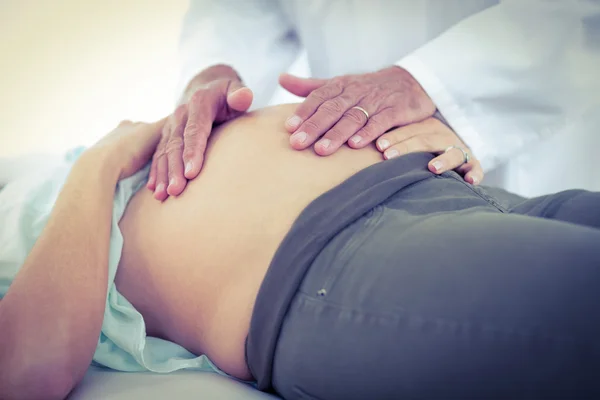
x: 100, y: 383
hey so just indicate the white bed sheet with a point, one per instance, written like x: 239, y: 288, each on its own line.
x: 107, y: 384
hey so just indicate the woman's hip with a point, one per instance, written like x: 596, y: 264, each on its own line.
x: 445, y: 304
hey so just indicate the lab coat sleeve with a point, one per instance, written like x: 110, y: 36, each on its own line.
x: 252, y: 36
x: 514, y: 74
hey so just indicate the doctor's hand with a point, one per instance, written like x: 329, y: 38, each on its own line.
x: 356, y: 109
x: 216, y: 95
x: 432, y: 136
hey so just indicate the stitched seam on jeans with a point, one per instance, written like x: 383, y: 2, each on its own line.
x: 485, y: 330
x: 354, y: 243
x: 483, y: 196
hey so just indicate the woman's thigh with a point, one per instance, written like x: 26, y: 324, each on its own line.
x: 575, y: 206
x: 463, y: 304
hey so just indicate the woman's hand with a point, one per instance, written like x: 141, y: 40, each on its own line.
x: 433, y: 136
x: 130, y: 145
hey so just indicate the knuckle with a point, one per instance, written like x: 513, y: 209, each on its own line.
x: 319, y: 95
x: 374, y: 127
x: 339, y: 80
x: 333, y: 106
x: 337, y: 136
x: 198, y: 96
x: 403, y: 147
x: 160, y: 153
x: 368, y: 130
x: 174, y: 145
x: 356, y: 116
x: 372, y: 97
x: 191, y: 131
x: 180, y: 112
x: 428, y: 142
x: 328, y: 91
x: 191, y: 151
x: 337, y: 84
x: 311, y: 125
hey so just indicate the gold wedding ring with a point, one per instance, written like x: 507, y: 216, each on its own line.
x: 363, y: 110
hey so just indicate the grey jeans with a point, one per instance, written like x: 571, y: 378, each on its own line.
x: 442, y: 291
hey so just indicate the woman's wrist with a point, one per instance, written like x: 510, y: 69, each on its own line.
x: 100, y: 164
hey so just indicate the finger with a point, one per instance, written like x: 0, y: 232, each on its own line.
x: 201, y: 115
x: 160, y: 193
x: 375, y: 127
x: 239, y: 97
x: 408, y: 146
x: 300, y: 86
x: 352, y: 121
x: 174, y: 149
x: 403, y: 133
x: 312, y: 102
x: 160, y: 149
x: 326, y: 115
x: 447, y: 161
x: 151, y: 185
x: 475, y: 175
x: 464, y: 170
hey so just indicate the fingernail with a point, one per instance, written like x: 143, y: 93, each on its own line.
x: 437, y: 165
x: 391, y: 153
x: 188, y: 167
x: 294, y: 122
x: 160, y: 188
x: 171, y: 182
x: 474, y: 179
x: 300, y: 137
x: 325, y: 143
x: 151, y: 181
x: 383, y: 144
x: 355, y: 139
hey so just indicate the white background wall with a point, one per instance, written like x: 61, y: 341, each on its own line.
x: 70, y: 70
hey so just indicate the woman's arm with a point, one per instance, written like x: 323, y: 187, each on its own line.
x: 52, y: 314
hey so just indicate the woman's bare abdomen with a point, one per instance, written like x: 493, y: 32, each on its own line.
x: 193, y: 265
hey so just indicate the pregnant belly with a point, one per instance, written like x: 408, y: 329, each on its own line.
x: 193, y: 264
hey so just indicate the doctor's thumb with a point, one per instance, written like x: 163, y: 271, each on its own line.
x: 300, y: 86
x: 239, y: 97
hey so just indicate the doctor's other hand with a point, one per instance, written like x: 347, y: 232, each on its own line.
x: 356, y: 109
x: 214, y: 96
x: 433, y: 136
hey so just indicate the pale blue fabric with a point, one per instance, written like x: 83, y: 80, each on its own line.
x: 25, y: 205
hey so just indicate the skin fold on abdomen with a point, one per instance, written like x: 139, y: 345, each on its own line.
x: 193, y: 265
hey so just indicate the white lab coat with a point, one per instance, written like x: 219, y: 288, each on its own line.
x: 518, y: 80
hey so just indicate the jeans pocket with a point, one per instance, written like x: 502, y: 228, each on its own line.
x: 338, y: 253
